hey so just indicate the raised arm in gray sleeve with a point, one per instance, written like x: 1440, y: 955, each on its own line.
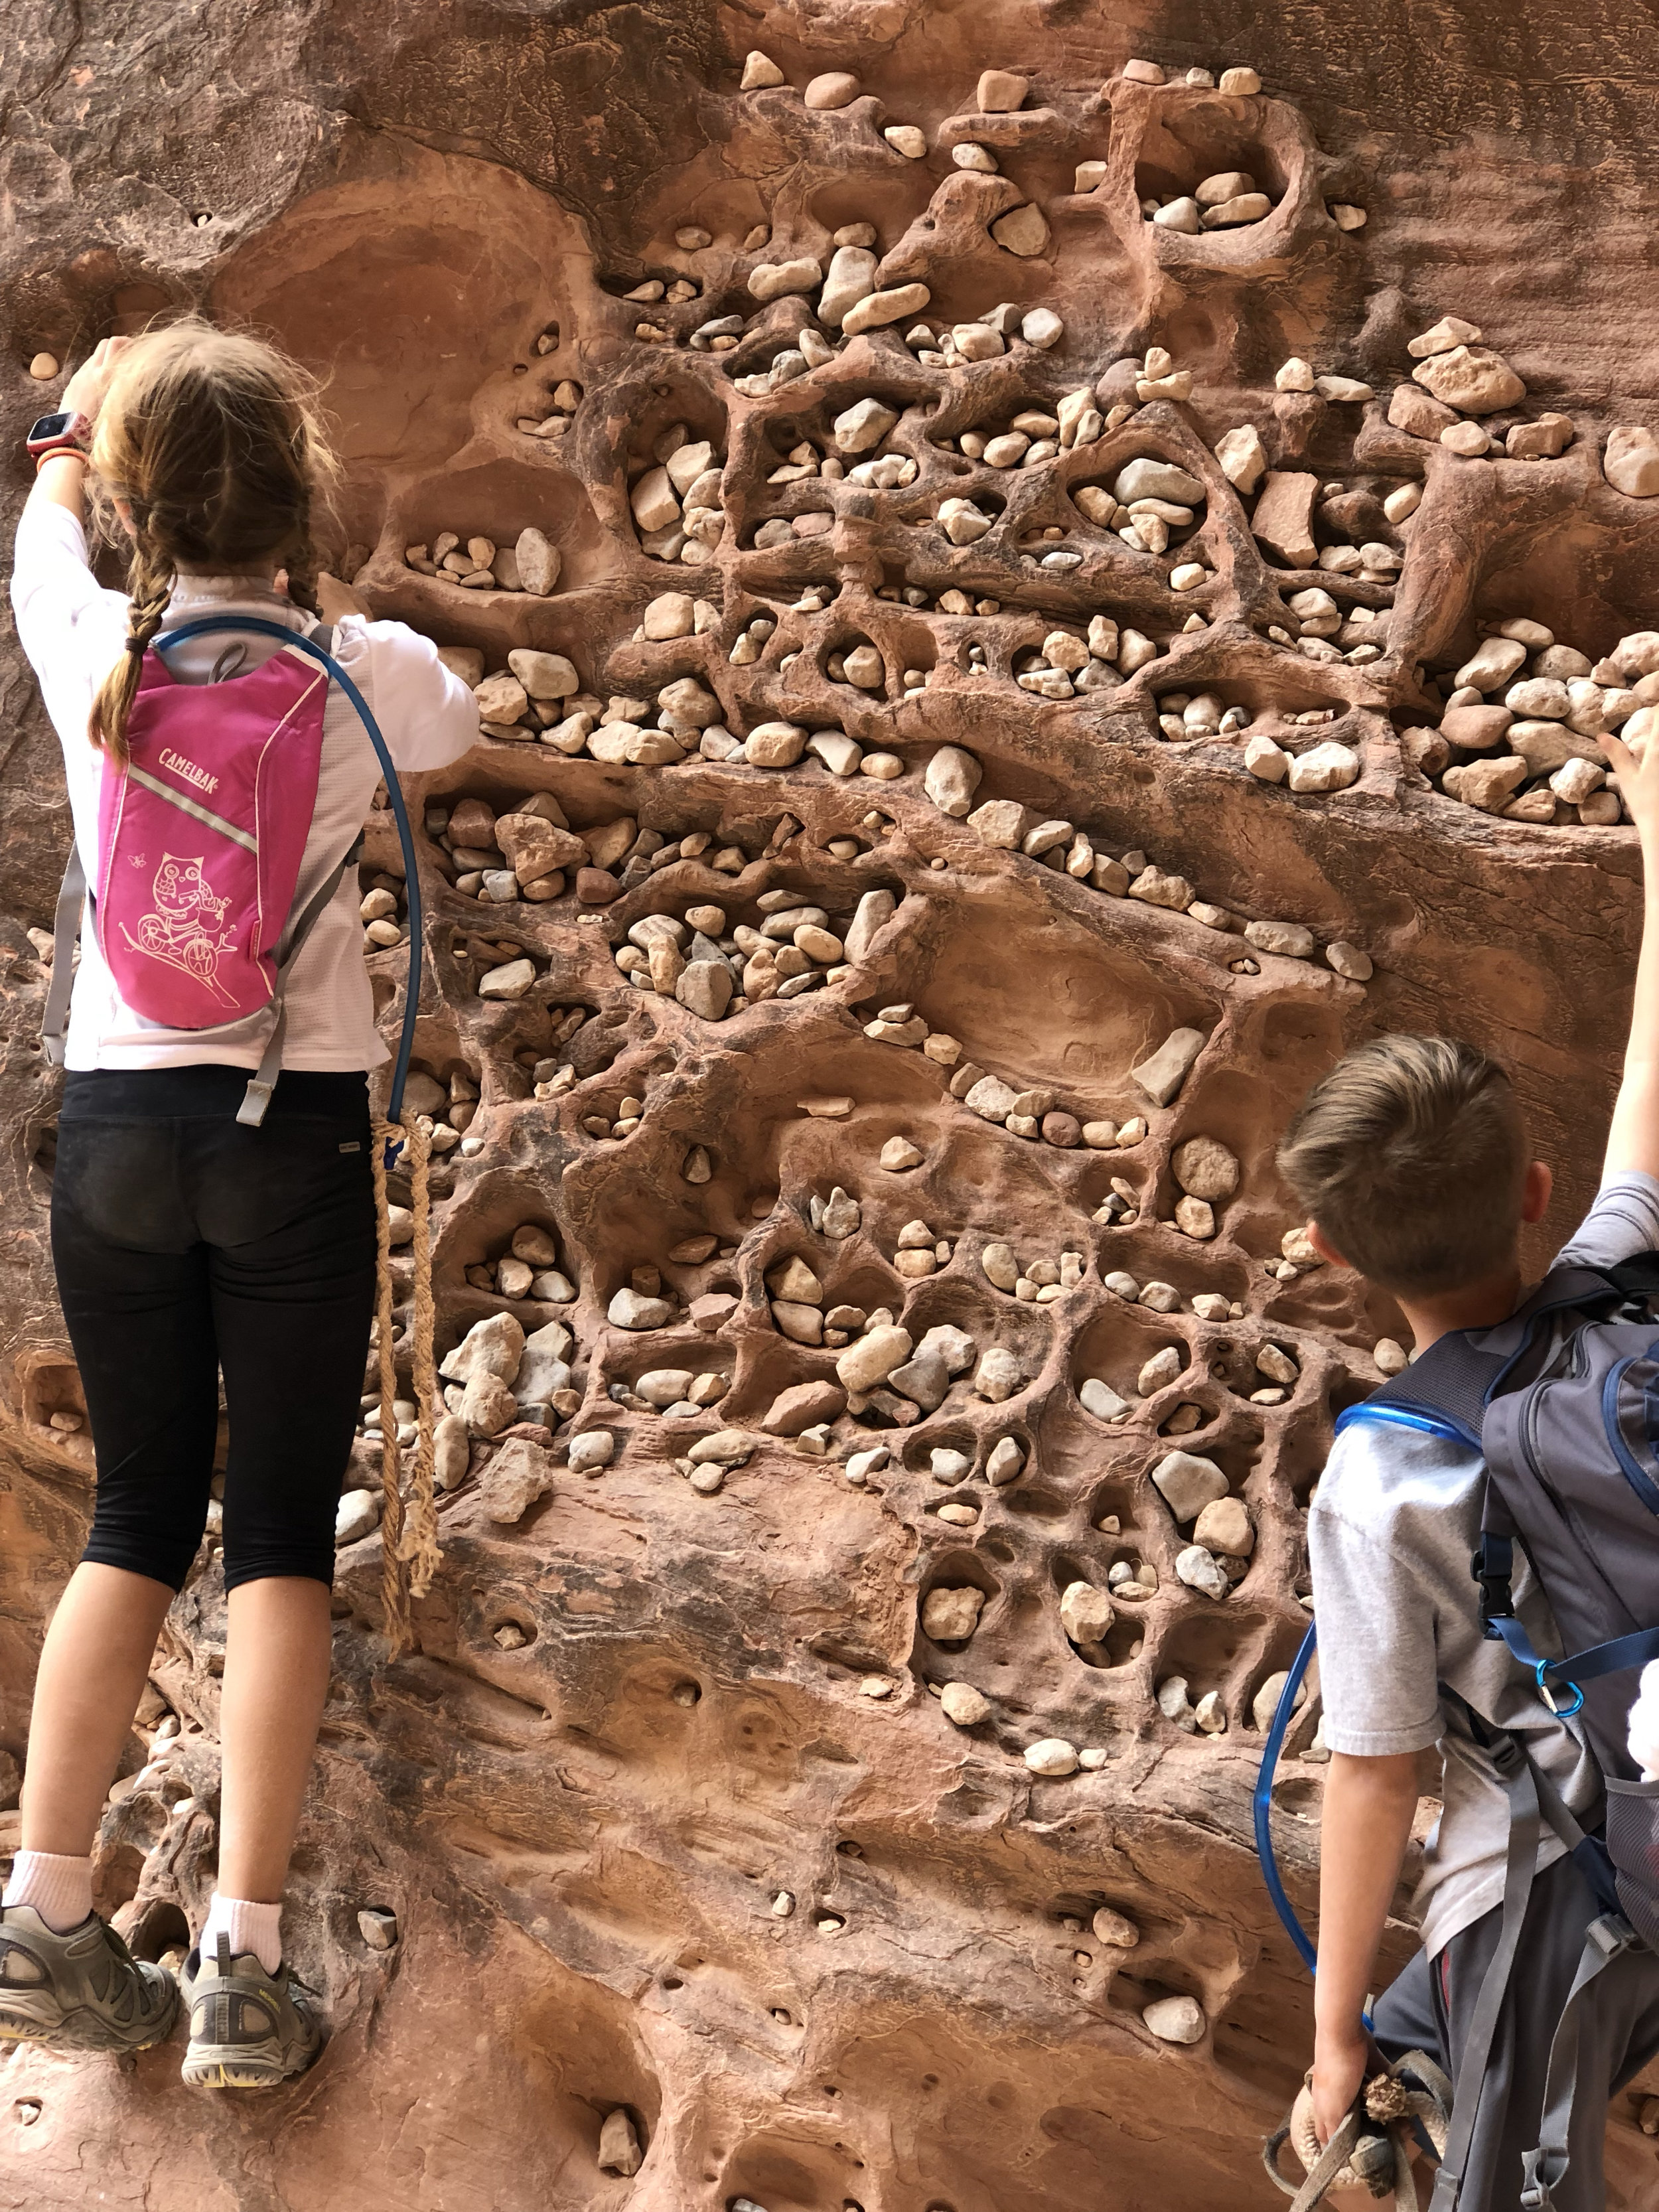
x: 1624, y: 1221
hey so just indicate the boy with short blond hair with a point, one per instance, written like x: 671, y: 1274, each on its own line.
x: 1410, y: 1159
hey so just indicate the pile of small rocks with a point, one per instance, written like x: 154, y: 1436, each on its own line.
x: 501, y: 859
x: 564, y: 401
x: 1223, y: 202
x: 1068, y: 667
x: 617, y: 1125
x: 884, y: 1376
x: 1282, y: 1369
x: 451, y: 1106
x: 860, y: 428
x: 919, y: 1254
x: 1519, y: 734
x: 673, y: 293
x: 676, y: 1394
x: 1207, y: 1175
x: 529, y: 564
x: 1039, y: 1282
x: 385, y: 910
x: 1221, y: 1534
x: 1151, y: 503
x: 951, y: 602
x: 676, y: 498
x: 499, y: 1377
x: 1237, y: 81
x: 528, y: 851
x: 1457, y: 381
x: 682, y: 720
x: 1031, y: 1113
x: 751, y: 641
x: 860, y: 663
x: 1175, y: 1701
x: 1300, y: 522
x: 529, y: 1268
x: 500, y: 966
x: 643, y: 1303
x: 1297, y: 375
x: 957, y: 344
x: 1182, y: 715
x: 693, y: 960
x: 1034, y: 434
x: 777, y: 744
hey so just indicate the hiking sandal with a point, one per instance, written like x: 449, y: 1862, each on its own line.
x: 1370, y: 2149
x: 248, y: 2029
x: 81, y: 1991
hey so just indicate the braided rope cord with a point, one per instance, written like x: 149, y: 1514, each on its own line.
x: 394, y: 1577
x: 410, y: 1551
x: 420, y: 1550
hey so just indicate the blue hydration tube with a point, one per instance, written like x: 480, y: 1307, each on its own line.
x: 1263, y: 1802
x: 411, y: 878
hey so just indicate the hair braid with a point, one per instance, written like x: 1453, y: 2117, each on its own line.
x: 302, y: 560
x: 150, y: 576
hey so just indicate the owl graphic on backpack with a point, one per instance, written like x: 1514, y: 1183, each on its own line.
x: 180, y: 929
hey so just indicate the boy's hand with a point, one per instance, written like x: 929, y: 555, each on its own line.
x: 1340, y: 2065
x: 84, y: 392
x: 1638, y: 781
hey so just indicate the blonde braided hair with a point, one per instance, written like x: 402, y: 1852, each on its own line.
x: 212, y: 447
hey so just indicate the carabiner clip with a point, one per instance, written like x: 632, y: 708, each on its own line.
x: 1561, y: 1713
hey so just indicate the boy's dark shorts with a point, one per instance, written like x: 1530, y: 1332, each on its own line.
x: 1429, y: 2008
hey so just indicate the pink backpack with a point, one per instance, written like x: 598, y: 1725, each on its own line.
x: 200, y: 839
x: 200, y: 842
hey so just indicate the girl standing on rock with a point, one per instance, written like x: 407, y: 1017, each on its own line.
x: 189, y: 1245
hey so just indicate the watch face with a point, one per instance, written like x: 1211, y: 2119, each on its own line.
x: 51, y: 426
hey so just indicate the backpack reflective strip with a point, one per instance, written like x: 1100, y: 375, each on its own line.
x: 195, y: 807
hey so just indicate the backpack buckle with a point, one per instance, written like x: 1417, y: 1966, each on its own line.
x: 1493, y: 1566
x: 1546, y: 1692
x: 255, y: 1099
x: 1611, y: 1934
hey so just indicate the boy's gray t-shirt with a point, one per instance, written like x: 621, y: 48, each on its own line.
x: 1391, y: 1536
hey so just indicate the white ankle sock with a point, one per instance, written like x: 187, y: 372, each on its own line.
x: 255, y: 1927
x: 59, y: 1888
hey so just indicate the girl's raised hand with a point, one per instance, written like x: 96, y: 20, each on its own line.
x: 84, y: 392
x: 1639, y: 782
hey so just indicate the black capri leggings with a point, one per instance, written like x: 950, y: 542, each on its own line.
x: 186, y: 1245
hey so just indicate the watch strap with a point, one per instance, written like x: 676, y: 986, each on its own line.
x: 66, y: 432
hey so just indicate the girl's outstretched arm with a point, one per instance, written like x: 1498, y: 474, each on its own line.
x: 60, y: 480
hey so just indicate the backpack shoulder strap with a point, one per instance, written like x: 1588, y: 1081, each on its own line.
x: 1442, y: 1393
x: 65, y: 931
x: 1446, y: 1389
x: 257, y: 1097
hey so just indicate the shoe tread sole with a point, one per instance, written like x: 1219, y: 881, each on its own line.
x: 85, y: 2030
x: 218, y: 2066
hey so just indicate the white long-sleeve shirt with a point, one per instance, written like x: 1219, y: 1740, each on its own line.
x: 73, y: 631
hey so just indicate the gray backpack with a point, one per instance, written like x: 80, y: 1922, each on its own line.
x: 1562, y: 1400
